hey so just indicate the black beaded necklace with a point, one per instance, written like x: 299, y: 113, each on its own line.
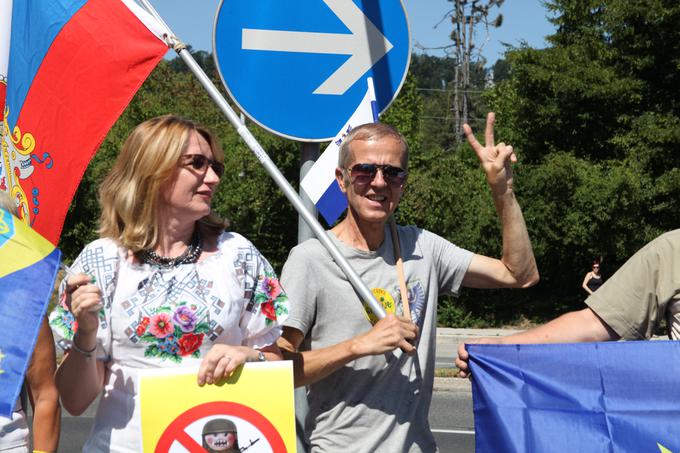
x: 190, y: 255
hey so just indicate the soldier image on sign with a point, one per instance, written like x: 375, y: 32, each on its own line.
x: 220, y: 435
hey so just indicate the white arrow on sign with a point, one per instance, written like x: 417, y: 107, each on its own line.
x: 366, y: 45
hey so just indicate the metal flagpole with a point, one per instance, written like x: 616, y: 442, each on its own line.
x: 268, y: 164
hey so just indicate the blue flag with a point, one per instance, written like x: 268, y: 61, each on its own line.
x: 28, y: 267
x: 584, y: 397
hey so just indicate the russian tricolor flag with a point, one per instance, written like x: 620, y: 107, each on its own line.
x: 74, y: 66
x: 319, y: 183
x: 28, y: 267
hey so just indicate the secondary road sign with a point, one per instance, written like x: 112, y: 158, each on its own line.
x: 298, y: 68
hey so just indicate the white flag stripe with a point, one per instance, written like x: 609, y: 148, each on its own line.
x: 147, y: 19
x: 5, y: 33
x: 322, y: 173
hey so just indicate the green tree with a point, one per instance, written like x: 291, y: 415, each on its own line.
x: 247, y: 195
x: 594, y: 122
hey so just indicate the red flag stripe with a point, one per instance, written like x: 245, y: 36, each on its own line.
x: 87, y: 78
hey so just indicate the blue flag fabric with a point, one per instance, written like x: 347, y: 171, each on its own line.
x: 585, y: 397
x: 28, y: 267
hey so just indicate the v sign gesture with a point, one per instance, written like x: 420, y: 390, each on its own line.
x: 517, y: 266
x: 495, y: 159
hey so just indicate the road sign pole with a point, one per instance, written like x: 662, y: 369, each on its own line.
x: 309, y: 153
x: 364, y: 293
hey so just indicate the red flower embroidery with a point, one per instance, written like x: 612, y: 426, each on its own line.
x: 268, y: 310
x: 141, y: 328
x: 189, y: 343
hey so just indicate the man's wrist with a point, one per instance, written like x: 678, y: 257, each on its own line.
x: 356, y: 349
x: 506, y: 193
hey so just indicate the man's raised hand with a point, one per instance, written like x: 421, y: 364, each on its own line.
x: 495, y: 159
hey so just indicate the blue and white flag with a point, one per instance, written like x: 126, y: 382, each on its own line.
x: 584, y: 397
x: 319, y: 183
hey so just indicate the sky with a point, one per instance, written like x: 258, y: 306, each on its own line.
x: 524, y: 20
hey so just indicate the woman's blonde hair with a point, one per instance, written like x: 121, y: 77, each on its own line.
x: 130, y: 193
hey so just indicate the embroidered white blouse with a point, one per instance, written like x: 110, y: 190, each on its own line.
x: 156, y: 317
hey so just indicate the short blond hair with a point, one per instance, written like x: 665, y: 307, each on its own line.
x: 370, y: 132
x: 131, y: 191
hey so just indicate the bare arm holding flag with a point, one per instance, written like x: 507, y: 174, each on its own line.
x: 630, y: 305
x: 390, y: 333
x: 43, y: 392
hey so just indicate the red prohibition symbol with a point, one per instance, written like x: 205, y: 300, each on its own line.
x: 175, y: 432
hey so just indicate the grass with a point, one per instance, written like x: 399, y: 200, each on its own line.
x: 446, y: 372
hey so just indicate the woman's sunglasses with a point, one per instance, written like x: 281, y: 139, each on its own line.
x: 201, y: 163
x: 364, y: 173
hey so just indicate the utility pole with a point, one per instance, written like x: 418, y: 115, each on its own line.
x: 466, y: 15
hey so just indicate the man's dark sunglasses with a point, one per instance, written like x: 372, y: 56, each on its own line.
x: 364, y: 174
x: 200, y: 163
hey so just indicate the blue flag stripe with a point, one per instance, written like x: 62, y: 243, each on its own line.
x: 28, y: 49
x: 24, y: 296
x: 332, y: 203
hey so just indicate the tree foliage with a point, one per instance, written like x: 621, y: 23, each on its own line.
x: 593, y: 118
x: 247, y: 196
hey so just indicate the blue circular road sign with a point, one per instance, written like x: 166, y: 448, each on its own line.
x: 298, y: 68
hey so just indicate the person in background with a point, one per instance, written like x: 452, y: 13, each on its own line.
x: 630, y: 305
x: 41, y: 389
x: 593, y: 279
x: 164, y: 286
x: 370, y: 382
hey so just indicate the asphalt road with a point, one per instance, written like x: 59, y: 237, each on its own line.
x: 451, y: 417
x: 448, y: 340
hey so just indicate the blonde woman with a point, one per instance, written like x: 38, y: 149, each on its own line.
x: 164, y: 286
x: 42, y: 392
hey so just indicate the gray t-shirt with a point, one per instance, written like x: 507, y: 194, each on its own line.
x: 376, y: 403
x: 645, y: 290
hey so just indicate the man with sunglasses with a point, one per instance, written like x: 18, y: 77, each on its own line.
x: 370, y: 383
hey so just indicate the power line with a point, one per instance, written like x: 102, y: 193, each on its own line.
x: 449, y: 90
